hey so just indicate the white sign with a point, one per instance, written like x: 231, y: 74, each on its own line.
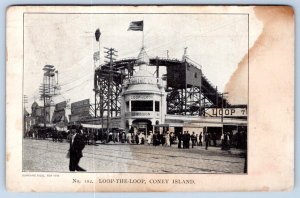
x: 141, y: 97
x: 232, y: 112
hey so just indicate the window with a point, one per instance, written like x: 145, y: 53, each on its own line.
x: 156, y: 105
x: 176, y: 75
x: 195, y: 75
x: 146, y: 105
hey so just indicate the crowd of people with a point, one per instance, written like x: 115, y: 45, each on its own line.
x: 187, y: 140
x: 155, y: 139
x: 183, y: 139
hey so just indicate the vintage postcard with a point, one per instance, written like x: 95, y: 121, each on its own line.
x: 149, y: 98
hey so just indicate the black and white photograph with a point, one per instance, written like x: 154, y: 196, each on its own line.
x: 135, y: 93
x: 150, y: 98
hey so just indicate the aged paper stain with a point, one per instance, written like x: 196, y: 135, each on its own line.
x: 271, y: 96
x: 278, y: 22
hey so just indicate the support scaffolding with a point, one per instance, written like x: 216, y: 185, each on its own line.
x: 189, y: 92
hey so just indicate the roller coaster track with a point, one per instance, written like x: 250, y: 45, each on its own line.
x: 208, y: 90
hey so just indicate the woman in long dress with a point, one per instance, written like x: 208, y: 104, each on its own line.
x: 149, y: 138
x: 167, y: 138
x: 129, y: 138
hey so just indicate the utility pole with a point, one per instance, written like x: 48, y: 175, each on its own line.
x: 185, y: 88
x: 96, y: 58
x: 56, y: 86
x: 222, y: 95
x: 47, y: 89
x: 222, y: 116
x: 200, y: 94
x: 110, y: 55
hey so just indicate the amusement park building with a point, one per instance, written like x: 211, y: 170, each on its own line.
x: 181, y: 100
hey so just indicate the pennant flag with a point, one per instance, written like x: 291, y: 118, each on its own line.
x: 97, y: 56
x: 136, y: 26
x: 97, y: 34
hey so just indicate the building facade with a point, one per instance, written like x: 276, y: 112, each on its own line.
x: 143, y: 101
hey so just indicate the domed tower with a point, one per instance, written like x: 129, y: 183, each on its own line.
x: 143, y: 98
x: 34, y: 108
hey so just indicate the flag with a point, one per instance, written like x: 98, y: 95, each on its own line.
x: 97, y: 56
x: 136, y: 26
x: 97, y: 34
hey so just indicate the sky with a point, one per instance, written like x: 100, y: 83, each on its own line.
x: 214, y: 41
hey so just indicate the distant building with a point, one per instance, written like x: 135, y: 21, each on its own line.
x: 80, y: 111
x: 54, y: 116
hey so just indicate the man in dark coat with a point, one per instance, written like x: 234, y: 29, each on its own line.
x: 225, y: 145
x: 155, y: 138
x: 188, y: 138
x: 207, y: 140
x: 77, y: 144
x: 214, y: 138
x: 200, y: 139
x: 136, y: 137
x: 193, y: 138
x: 184, y: 140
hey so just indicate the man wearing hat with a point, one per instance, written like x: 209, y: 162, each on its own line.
x: 76, y: 146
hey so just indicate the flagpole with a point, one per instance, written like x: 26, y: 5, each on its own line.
x: 99, y: 51
x: 143, y: 38
x: 143, y: 34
